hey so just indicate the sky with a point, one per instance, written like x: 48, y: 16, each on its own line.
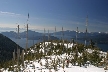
x: 47, y: 14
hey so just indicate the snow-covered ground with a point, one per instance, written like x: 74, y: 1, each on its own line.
x: 40, y: 65
x: 70, y: 69
x: 39, y: 68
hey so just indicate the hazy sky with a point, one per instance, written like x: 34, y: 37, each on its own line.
x: 50, y: 13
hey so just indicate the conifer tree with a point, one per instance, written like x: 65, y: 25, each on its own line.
x: 22, y: 57
x: 92, y: 44
x: 84, y: 56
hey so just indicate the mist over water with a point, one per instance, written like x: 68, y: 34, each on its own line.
x: 22, y: 42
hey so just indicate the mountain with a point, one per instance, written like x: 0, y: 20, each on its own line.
x: 7, y: 47
x: 22, y: 34
x: 31, y: 35
x: 9, y: 34
x: 57, y: 56
x: 68, y: 35
x: 100, y: 38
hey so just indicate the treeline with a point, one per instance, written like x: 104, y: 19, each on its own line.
x: 7, y: 46
x: 79, y: 52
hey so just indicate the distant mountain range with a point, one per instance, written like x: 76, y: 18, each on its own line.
x: 31, y: 35
x: 95, y: 36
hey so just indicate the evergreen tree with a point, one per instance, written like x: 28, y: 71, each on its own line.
x: 92, y: 44
x: 84, y: 56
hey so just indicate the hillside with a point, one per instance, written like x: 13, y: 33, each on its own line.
x: 7, y: 46
x: 58, y: 56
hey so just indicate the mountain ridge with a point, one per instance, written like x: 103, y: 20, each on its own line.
x: 102, y: 37
x: 7, y: 47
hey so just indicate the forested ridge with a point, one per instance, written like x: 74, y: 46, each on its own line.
x: 7, y: 46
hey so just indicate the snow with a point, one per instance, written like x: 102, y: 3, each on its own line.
x: 39, y: 66
x: 89, y: 50
x: 69, y: 69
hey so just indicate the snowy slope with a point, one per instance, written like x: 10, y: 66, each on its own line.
x: 47, y: 65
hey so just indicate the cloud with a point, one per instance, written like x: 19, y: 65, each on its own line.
x: 4, y: 29
x: 8, y: 13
